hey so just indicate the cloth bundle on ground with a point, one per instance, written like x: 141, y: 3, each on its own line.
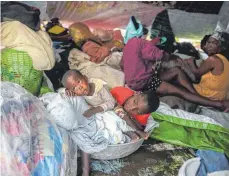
x: 30, y: 143
x: 17, y: 11
x: 38, y: 45
x: 209, y: 130
x: 90, y: 134
x: 106, y: 70
x: 16, y: 66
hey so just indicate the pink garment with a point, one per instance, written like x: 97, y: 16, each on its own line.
x: 138, y: 57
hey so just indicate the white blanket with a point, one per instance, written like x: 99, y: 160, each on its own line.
x: 90, y: 134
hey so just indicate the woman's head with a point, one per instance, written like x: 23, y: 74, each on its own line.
x: 218, y: 43
x: 143, y: 103
x: 75, y: 82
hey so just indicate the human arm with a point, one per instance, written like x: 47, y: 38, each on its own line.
x: 205, y: 67
x: 93, y: 110
x: 108, y: 103
x: 123, y: 115
x: 149, y: 51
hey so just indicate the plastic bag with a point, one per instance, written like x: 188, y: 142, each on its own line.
x: 30, y: 143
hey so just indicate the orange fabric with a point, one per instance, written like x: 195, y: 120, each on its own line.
x: 95, y: 51
x: 215, y: 87
x: 121, y: 94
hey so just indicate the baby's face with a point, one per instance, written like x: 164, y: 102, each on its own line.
x: 78, y: 85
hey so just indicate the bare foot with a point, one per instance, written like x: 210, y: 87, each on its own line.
x: 133, y: 136
x: 143, y: 134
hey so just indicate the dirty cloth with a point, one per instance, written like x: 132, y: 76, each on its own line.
x: 106, y: 71
x: 17, y: 11
x: 38, y: 45
x: 211, y: 161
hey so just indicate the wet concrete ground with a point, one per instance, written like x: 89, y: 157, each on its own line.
x: 152, y: 159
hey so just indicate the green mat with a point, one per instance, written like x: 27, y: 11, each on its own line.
x: 188, y: 133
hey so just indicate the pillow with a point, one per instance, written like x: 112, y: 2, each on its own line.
x: 121, y: 94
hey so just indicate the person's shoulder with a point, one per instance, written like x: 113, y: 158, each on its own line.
x: 215, y: 58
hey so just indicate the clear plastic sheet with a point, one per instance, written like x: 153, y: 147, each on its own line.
x: 30, y: 143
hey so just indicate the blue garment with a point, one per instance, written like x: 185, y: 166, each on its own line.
x: 132, y: 32
x: 211, y: 161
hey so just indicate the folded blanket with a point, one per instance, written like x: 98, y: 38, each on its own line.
x: 38, y: 45
x: 113, y: 77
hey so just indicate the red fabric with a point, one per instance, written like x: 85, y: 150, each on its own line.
x: 118, y: 36
x: 121, y: 94
x: 95, y: 51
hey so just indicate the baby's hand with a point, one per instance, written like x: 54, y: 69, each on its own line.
x: 69, y: 93
x: 90, y: 112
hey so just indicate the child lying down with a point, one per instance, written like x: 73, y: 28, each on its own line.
x: 97, y: 95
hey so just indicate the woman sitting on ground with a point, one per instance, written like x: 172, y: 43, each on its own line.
x: 139, y: 56
x: 214, y: 71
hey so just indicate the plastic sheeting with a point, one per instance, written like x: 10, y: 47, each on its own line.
x: 30, y: 143
x: 107, y: 15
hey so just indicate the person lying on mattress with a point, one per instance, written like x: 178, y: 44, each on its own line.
x: 139, y: 56
x: 97, y: 95
x: 214, y: 70
x: 98, y: 45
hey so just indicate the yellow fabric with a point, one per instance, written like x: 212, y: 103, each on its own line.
x: 38, y: 45
x: 98, y: 84
x: 215, y: 87
x: 79, y: 32
x: 56, y: 30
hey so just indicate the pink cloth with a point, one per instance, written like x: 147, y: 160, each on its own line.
x: 137, y: 62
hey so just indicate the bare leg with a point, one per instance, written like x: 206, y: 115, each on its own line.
x: 135, y: 127
x: 143, y: 134
x: 169, y: 89
x: 85, y: 158
x: 178, y: 74
x: 130, y: 122
x: 133, y: 136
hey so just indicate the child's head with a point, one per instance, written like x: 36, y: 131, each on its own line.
x: 142, y: 103
x: 74, y: 81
